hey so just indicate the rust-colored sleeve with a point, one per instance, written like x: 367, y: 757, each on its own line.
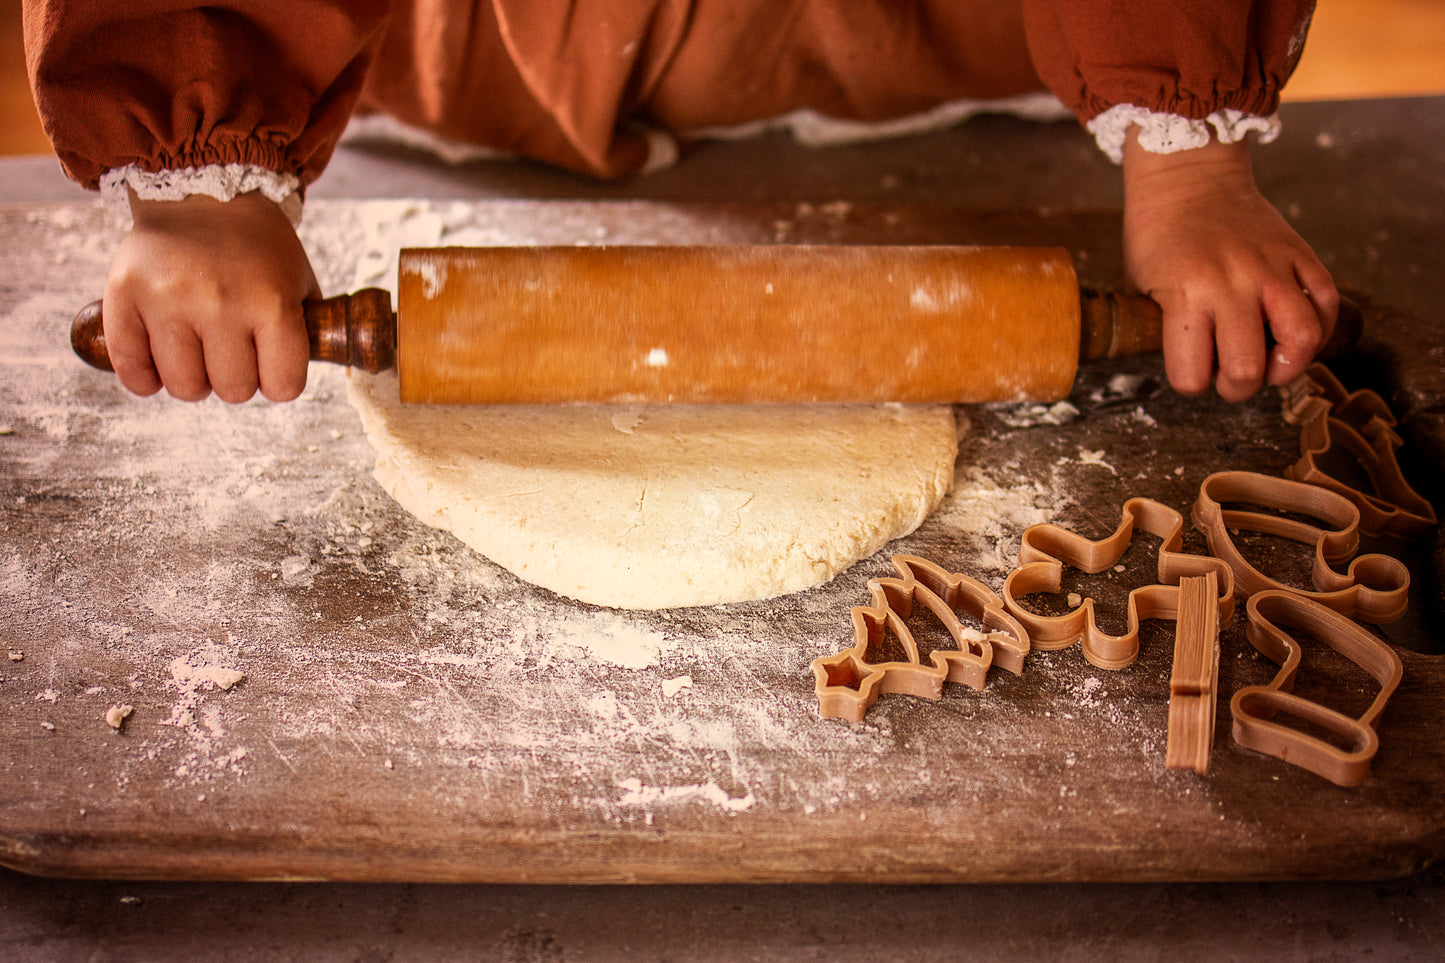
x: 1168, y: 56
x: 168, y: 84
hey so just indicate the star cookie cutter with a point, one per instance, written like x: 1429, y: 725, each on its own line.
x: 1374, y: 587
x: 847, y: 684
x: 1273, y: 617
x: 1361, y: 424
x: 1045, y: 549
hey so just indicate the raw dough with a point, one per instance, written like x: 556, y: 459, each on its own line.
x: 663, y: 506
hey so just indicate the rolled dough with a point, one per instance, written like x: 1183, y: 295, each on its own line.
x: 663, y: 506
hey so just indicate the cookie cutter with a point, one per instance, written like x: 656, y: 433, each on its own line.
x: 1273, y: 617
x: 1194, y: 678
x: 1374, y: 587
x: 847, y: 684
x: 1045, y: 549
x: 1361, y: 424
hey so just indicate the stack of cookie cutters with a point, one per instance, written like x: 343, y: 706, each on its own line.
x: 1359, y: 424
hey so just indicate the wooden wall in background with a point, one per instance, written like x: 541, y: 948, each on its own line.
x: 1357, y: 48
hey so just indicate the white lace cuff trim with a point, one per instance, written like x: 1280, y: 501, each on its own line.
x: 1168, y: 133
x: 224, y: 182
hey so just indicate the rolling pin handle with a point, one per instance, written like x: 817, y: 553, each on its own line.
x: 1119, y: 324
x: 357, y: 330
x: 87, y: 337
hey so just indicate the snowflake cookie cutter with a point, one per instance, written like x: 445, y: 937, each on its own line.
x: 1362, y: 425
x: 1374, y: 588
x: 847, y: 684
x: 1045, y: 550
x: 1274, y: 617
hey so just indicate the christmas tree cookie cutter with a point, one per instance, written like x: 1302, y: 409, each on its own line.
x: 1374, y: 587
x: 1361, y: 424
x: 1046, y: 549
x: 847, y: 683
x: 1274, y: 617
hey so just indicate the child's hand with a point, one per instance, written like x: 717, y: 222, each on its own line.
x: 1225, y: 267
x: 206, y: 296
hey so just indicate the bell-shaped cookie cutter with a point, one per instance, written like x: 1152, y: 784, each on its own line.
x: 1273, y: 616
x: 847, y: 684
x: 1045, y: 549
x: 1374, y: 587
x: 1361, y: 424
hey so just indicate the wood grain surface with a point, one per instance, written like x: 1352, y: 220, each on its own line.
x: 411, y: 712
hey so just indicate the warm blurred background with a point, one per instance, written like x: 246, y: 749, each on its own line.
x: 1357, y: 48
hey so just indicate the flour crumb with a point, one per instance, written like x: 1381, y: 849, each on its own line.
x: 17, y: 656
x: 671, y: 687
x: 1087, y: 457
x: 48, y: 726
x: 7, y: 430
x: 116, y: 715
x: 1075, y: 600
x: 1091, y: 691
x: 48, y: 695
x: 200, y: 669
x: 1027, y: 416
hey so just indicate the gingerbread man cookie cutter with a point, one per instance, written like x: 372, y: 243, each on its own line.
x: 847, y: 683
x: 1273, y: 618
x: 1361, y: 424
x: 1045, y: 549
x: 1374, y: 588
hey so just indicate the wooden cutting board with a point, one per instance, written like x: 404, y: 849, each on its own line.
x: 411, y: 712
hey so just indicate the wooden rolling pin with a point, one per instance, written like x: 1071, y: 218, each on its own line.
x: 764, y: 323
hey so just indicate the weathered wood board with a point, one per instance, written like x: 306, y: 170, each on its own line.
x: 412, y: 712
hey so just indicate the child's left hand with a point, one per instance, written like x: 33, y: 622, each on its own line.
x: 1225, y: 267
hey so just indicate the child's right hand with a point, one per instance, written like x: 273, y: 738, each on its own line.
x: 205, y: 296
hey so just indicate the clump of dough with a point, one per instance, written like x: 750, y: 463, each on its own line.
x: 115, y: 716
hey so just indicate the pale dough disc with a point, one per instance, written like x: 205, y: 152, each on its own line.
x: 663, y: 506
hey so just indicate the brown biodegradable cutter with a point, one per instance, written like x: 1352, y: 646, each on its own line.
x: 1273, y: 615
x: 1374, y: 588
x: 1362, y: 425
x: 1045, y: 549
x: 847, y: 683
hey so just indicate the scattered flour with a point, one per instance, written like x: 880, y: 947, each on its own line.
x: 671, y: 687
x: 612, y: 639
x: 634, y: 793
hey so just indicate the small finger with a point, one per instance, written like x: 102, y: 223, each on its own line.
x: 1239, y: 336
x: 231, y: 366
x: 1295, y: 325
x: 1188, y: 348
x: 282, y: 353
x: 1317, y: 284
x: 180, y: 362
x: 129, y: 346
